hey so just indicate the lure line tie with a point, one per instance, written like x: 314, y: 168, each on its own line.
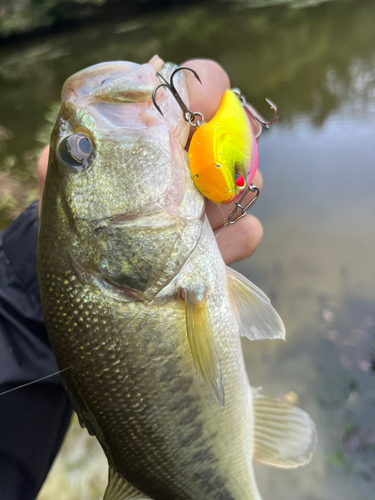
x: 243, y: 210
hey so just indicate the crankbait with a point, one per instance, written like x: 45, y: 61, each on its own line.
x: 223, y: 153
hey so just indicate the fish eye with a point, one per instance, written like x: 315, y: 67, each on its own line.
x: 76, y: 150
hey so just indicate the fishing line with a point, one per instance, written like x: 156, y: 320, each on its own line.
x: 34, y: 381
x: 215, y: 237
x: 202, y: 251
x: 219, y: 233
x: 224, y: 226
x: 222, y: 213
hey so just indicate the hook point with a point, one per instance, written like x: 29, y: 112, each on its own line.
x: 273, y: 106
x: 170, y: 86
x: 189, y: 69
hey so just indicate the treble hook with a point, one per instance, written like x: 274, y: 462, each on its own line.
x: 257, y: 117
x: 189, y: 116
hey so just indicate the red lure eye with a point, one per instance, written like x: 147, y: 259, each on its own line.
x: 240, y: 181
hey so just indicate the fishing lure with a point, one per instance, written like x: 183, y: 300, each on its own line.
x: 223, y: 152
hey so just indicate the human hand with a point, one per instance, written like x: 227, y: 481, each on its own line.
x: 242, y: 239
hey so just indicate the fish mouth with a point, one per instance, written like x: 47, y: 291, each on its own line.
x: 117, y: 81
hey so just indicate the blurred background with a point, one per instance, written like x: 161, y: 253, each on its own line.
x: 316, y: 60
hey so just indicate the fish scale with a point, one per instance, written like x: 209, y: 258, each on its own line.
x: 139, y: 409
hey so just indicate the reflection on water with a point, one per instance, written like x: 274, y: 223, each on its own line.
x: 317, y: 62
x: 317, y: 263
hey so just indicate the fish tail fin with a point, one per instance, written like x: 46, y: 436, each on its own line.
x: 284, y: 435
x: 120, y: 489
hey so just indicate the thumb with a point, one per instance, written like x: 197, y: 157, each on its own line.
x: 42, y: 172
x: 205, y: 98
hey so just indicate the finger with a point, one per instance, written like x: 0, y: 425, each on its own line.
x: 156, y: 62
x: 217, y: 214
x: 42, y: 172
x: 205, y: 98
x: 246, y: 233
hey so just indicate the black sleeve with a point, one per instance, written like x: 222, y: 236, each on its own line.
x: 33, y: 419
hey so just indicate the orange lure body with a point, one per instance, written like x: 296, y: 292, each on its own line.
x: 223, y: 153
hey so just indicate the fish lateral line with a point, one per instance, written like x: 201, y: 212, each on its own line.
x: 34, y: 381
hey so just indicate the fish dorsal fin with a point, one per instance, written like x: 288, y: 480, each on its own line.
x: 120, y: 489
x: 203, y: 350
x: 257, y: 318
x: 284, y: 436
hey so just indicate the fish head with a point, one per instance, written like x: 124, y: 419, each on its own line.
x: 112, y: 154
x: 118, y: 171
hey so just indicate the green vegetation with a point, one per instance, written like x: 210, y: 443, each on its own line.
x: 349, y: 430
x: 338, y: 459
x: 20, y: 16
x: 18, y: 182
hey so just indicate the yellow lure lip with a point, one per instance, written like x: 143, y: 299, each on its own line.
x: 220, y: 149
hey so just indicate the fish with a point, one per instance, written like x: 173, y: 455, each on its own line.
x: 223, y: 153
x: 143, y: 315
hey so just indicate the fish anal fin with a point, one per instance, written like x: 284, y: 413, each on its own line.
x: 284, y: 435
x: 257, y: 318
x: 120, y: 489
x: 202, y: 345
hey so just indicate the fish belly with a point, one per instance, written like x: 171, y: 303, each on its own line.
x: 132, y: 380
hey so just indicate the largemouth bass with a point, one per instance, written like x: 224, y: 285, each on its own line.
x: 143, y: 314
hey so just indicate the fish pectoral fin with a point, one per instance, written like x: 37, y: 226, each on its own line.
x: 120, y: 489
x: 202, y: 345
x: 284, y: 435
x: 257, y: 318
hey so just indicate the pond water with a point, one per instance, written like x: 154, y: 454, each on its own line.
x: 316, y: 60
